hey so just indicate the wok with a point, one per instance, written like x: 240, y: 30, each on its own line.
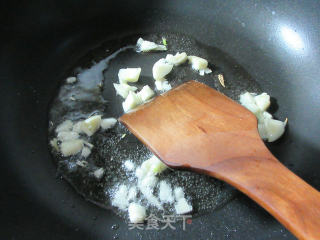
x: 275, y: 43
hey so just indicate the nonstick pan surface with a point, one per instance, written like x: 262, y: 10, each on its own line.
x: 274, y: 43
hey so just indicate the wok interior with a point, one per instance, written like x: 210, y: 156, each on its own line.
x: 277, y: 49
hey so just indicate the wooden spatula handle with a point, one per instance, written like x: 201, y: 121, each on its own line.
x: 283, y: 194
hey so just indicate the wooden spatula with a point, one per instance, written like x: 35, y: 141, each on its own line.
x: 195, y: 127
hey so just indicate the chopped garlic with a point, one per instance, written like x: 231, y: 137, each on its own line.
x: 146, y: 93
x: 82, y: 163
x: 71, y: 80
x: 163, y: 86
x: 85, y: 152
x: 248, y: 101
x: 178, y: 193
x: 182, y: 206
x: 262, y: 101
x: 123, y: 89
x: 67, y: 135
x: 149, y: 181
x: 71, y: 147
x: 148, y: 195
x: 262, y: 131
x: 54, y: 144
x: 131, y: 101
x: 274, y: 128
x: 129, y: 165
x: 120, y: 198
x: 269, y: 129
x: 107, y: 123
x: 129, y: 75
x: 98, y: 173
x: 77, y: 127
x: 64, y: 126
x: 177, y: 59
x: 91, y: 125
x: 201, y: 72
x: 157, y: 166
x: 147, y: 46
x: 205, y: 71
x: 137, y: 213
x: 165, y: 192
x: 132, y: 194
x: 140, y: 173
x: 153, y: 165
x: 262, y: 117
x: 198, y: 63
x: 160, y: 69
x: 89, y: 145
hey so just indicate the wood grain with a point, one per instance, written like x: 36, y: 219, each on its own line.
x: 196, y: 127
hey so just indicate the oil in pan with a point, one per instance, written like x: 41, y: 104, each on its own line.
x: 93, y: 93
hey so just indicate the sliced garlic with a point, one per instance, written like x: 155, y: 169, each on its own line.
x: 160, y: 69
x: 129, y: 75
x: 107, y: 123
x: 123, y: 89
x: 91, y: 125
x: 131, y: 101
x: 198, y: 63
x: 147, y: 46
x: 146, y: 93
x: 71, y: 147
x: 177, y: 59
x: 163, y: 86
x: 137, y: 213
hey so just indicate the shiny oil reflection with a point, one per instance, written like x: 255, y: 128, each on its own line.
x: 292, y: 38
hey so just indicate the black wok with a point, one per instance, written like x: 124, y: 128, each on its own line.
x: 277, y: 43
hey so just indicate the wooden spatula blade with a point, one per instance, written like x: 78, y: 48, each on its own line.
x: 195, y: 126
